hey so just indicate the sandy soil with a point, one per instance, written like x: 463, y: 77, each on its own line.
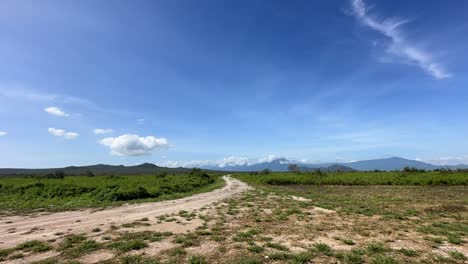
x: 17, y: 229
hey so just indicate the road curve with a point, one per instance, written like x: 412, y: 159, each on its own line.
x: 18, y: 229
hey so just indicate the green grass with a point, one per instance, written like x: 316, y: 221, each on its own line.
x: 35, y: 246
x: 324, y: 248
x: 128, y: 245
x: 23, y: 193
x: 457, y: 255
x: 138, y: 260
x: 197, y: 260
x: 359, y: 178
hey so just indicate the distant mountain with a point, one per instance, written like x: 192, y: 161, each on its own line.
x: 394, y: 163
x: 338, y: 167
x: 388, y: 164
x: 99, y: 169
x: 280, y: 165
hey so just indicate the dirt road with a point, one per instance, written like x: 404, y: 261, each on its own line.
x: 17, y: 229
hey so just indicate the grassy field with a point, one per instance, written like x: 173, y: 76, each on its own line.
x: 24, y: 193
x: 412, y: 218
x: 376, y: 221
x: 360, y: 178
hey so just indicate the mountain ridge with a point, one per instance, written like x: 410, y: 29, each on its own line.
x: 384, y: 164
x: 279, y: 165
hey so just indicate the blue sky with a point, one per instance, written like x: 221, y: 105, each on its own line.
x: 192, y: 82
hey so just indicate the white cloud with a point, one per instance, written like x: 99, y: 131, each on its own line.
x: 3, y: 133
x: 71, y: 135
x: 186, y: 164
x: 232, y: 161
x: 450, y: 160
x: 133, y: 145
x: 100, y: 131
x: 269, y: 158
x: 399, y: 46
x: 221, y: 163
x: 62, y: 133
x: 55, y: 111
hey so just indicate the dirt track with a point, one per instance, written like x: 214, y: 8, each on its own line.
x: 17, y: 229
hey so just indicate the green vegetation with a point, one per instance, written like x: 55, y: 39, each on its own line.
x: 359, y: 178
x: 34, y: 246
x: 21, y: 193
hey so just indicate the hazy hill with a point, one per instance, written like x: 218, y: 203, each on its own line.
x: 387, y: 164
x: 99, y: 169
x: 280, y: 165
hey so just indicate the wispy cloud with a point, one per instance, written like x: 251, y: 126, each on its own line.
x: 53, y: 110
x: 450, y: 160
x: 399, y: 46
x: 37, y: 96
x: 3, y: 133
x: 100, y: 131
x: 62, y: 133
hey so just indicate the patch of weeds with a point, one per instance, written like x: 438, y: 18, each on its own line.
x: 203, y: 232
x: 187, y: 240
x: 376, y: 248
x: 246, y: 235
x: 197, y: 260
x: 17, y: 256
x: 409, y: 252
x: 138, y: 260
x: 204, y: 217
x: 277, y: 246
x: 349, y: 242
x: 74, y: 246
x: 454, y: 239
x: 128, y: 245
x: 135, y: 224
x: 353, y: 257
x: 218, y: 238
x: 177, y: 251
x: 279, y: 256
x: 436, y: 240
x: 162, y: 217
x: 145, y: 235
x: 71, y: 241
x: 324, y: 248
x: 457, y: 255
x: 384, y: 260
x: 265, y: 238
x: 301, y: 258
x: 49, y: 261
x: 35, y: 246
x: 5, y: 252
x: 255, y: 248
x: 245, y: 260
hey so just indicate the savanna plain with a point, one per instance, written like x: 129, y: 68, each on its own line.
x: 243, y: 218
